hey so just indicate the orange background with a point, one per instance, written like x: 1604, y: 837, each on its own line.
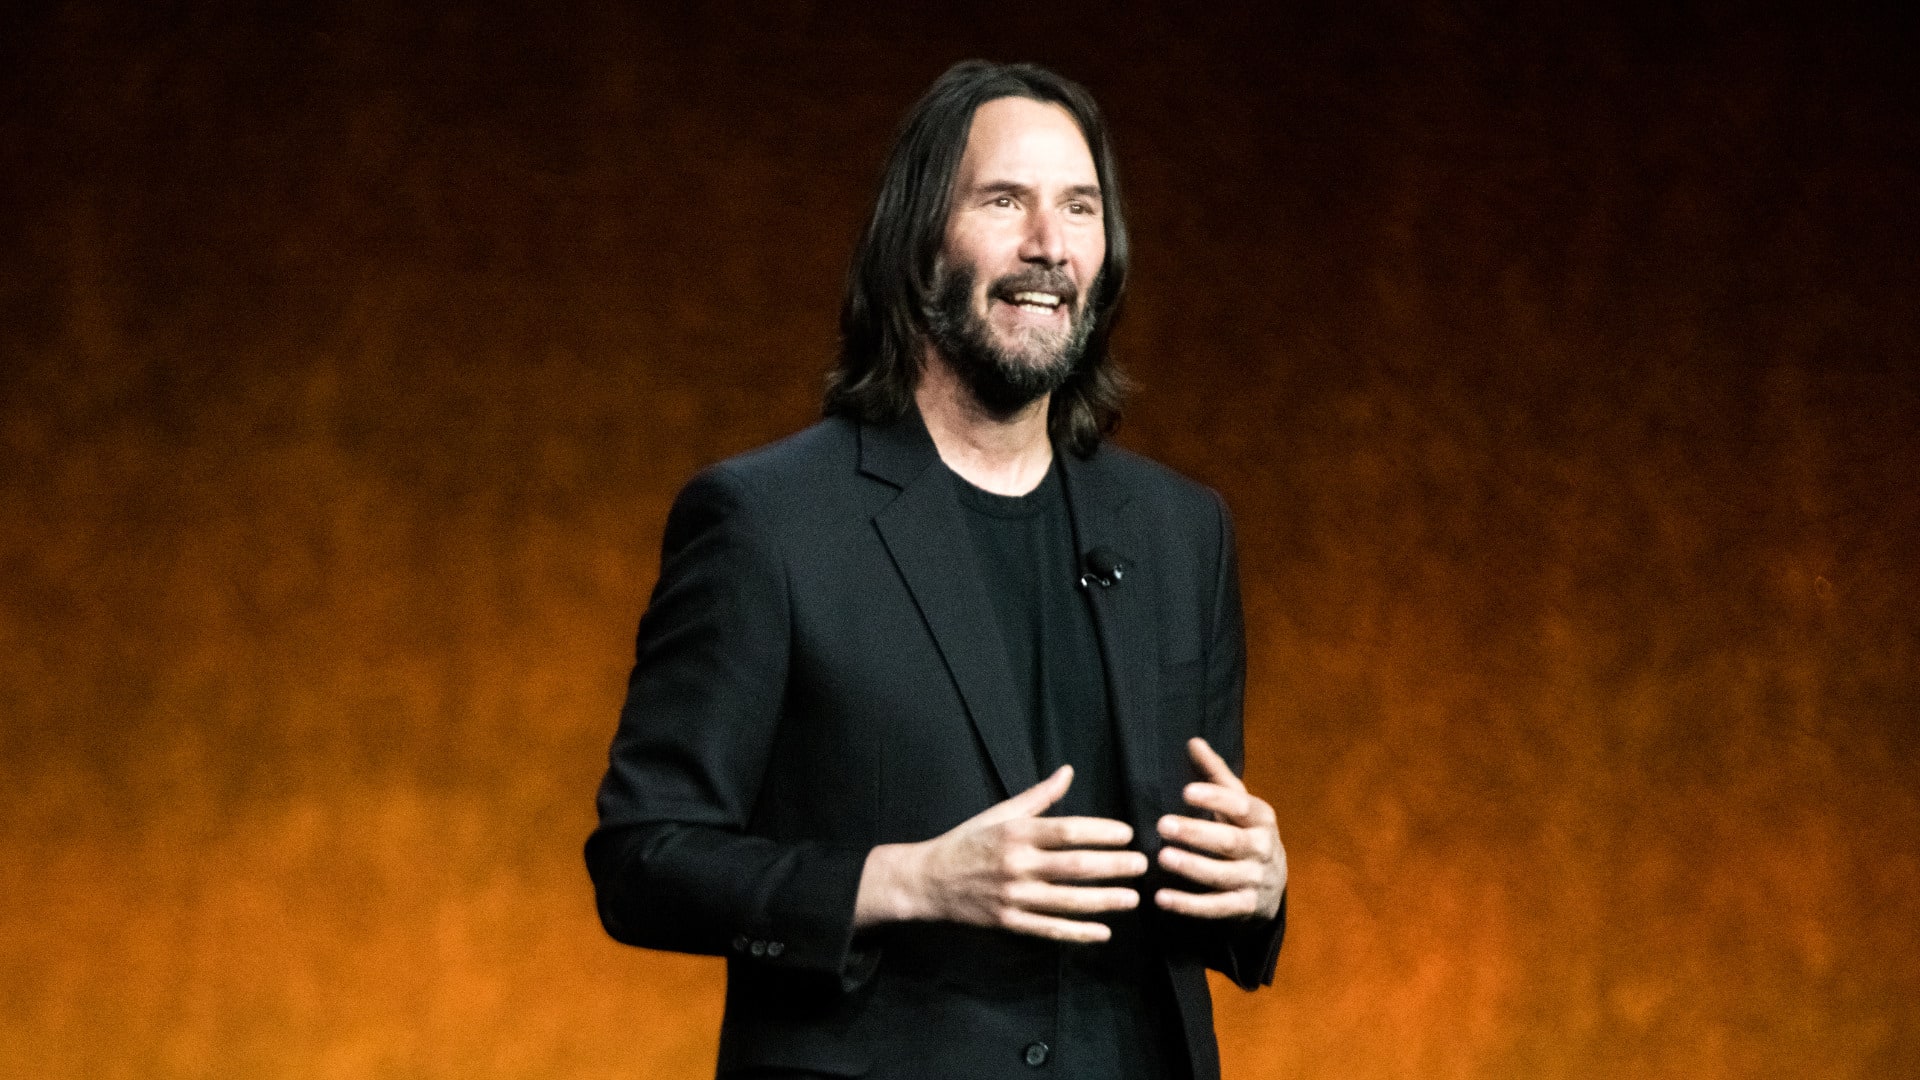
x: 1561, y: 372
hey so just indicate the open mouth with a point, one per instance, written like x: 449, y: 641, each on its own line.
x: 1044, y: 303
x: 1036, y: 297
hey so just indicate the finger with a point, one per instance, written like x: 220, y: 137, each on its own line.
x: 1049, y: 899
x: 1053, y: 927
x: 1238, y: 807
x: 1088, y: 865
x: 1212, y: 765
x: 1219, y: 875
x: 1077, y: 832
x: 1227, y: 905
x: 1212, y: 837
x: 1030, y: 803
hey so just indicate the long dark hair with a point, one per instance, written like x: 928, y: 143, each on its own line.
x: 888, y: 285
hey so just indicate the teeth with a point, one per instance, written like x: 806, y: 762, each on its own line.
x: 1043, y: 299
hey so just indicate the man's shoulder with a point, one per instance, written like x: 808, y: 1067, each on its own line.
x: 808, y: 473
x: 1142, y: 478
x: 828, y: 448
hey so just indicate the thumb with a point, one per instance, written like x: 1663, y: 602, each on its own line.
x: 1032, y: 802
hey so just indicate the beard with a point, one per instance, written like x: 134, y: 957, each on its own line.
x: 1004, y: 379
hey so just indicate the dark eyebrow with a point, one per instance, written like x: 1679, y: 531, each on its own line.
x: 1001, y: 187
x: 1009, y: 187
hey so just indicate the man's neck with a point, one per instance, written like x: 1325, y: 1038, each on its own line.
x: 1007, y: 456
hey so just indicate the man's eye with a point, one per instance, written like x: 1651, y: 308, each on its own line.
x: 1003, y: 200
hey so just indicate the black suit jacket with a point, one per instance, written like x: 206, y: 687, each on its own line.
x: 820, y: 671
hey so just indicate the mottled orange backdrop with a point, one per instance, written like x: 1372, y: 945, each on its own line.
x: 1561, y: 371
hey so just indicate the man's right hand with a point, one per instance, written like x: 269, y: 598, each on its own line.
x: 1010, y: 868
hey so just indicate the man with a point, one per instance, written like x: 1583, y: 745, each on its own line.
x: 931, y: 725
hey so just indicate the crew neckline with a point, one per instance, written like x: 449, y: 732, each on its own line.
x: 974, y: 497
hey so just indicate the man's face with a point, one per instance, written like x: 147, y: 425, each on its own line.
x: 1025, y: 242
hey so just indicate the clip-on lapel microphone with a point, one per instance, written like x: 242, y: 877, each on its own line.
x: 1103, y: 567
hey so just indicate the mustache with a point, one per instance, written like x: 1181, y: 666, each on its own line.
x: 1037, y: 279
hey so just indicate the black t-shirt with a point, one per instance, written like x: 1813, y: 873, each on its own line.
x: 1117, y: 1015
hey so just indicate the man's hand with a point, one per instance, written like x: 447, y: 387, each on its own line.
x: 1237, y: 856
x: 1006, y: 867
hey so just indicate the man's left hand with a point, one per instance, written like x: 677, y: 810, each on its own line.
x: 1236, y: 855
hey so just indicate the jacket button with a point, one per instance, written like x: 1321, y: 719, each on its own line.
x: 759, y: 948
x: 740, y: 943
x: 775, y: 948
x: 1036, y: 1054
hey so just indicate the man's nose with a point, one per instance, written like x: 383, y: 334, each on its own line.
x: 1046, y: 241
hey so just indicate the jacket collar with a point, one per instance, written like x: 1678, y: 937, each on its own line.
x: 1126, y: 619
x: 897, y: 452
x: 926, y: 535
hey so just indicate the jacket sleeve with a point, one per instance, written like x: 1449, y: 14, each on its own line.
x: 673, y: 862
x: 1244, y: 951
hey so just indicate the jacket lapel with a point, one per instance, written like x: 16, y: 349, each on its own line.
x: 1124, y: 620
x: 924, y: 532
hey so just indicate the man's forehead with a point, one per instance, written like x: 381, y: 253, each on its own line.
x: 1018, y: 135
